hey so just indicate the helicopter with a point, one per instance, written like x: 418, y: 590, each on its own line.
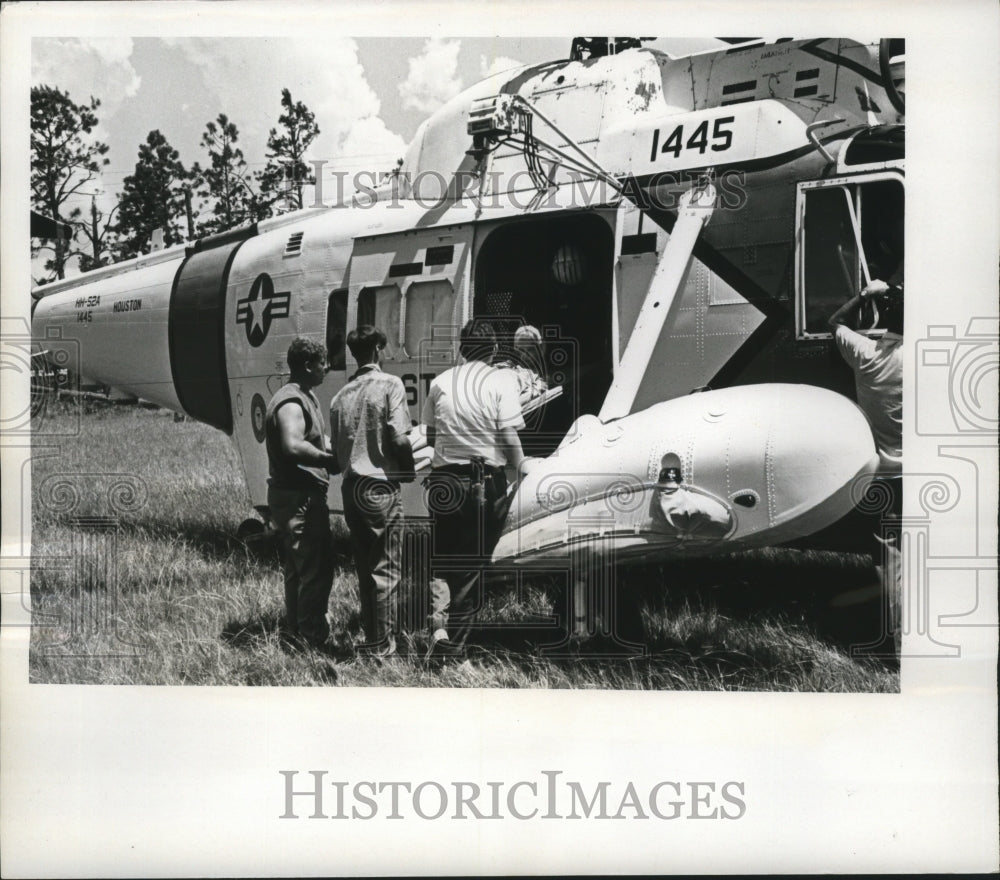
x: 678, y: 228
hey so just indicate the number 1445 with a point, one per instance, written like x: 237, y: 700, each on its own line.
x: 720, y: 138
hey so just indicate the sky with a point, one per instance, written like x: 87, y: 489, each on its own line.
x: 369, y: 95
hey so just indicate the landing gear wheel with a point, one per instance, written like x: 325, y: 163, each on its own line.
x: 259, y: 539
x: 249, y: 530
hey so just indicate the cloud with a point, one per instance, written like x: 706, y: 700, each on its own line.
x: 83, y: 68
x: 488, y: 67
x: 432, y: 77
x: 246, y: 77
x: 370, y: 139
x: 104, y: 64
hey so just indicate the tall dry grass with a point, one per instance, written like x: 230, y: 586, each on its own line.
x: 168, y: 594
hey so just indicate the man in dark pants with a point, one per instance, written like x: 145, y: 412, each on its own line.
x: 472, y: 414
x: 369, y: 421
x: 298, y: 465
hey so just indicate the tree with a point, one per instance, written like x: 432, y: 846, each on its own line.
x: 286, y: 170
x: 62, y: 161
x: 152, y: 197
x: 225, y: 181
x: 101, y: 237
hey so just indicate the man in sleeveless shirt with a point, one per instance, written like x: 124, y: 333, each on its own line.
x: 369, y: 421
x: 299, y: 462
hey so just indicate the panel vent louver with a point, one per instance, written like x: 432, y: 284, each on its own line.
x: 293, y: 247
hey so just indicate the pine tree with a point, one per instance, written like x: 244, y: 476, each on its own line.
x: 225, y: 182
x: 63, y: 160
x: 102, y: 241
x: 152, y: 197
x: 286, y: 170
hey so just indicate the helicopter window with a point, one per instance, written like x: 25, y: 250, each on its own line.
x: 830, y: 261
x: 380, y: 307
x: 336, y: 330
x: 846, y: 226
x: 429, y: 304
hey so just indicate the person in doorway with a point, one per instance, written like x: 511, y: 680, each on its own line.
x: 527, y: 362
x: 472, y: 414
x: 299, y: 463
x: 877, y: 365
x: 369, y: 421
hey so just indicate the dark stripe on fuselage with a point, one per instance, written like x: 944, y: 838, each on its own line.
x: 196, y: 335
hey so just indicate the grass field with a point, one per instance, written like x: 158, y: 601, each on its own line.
x: 164, y: 593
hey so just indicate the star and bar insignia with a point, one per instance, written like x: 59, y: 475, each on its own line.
x: 262, y: 305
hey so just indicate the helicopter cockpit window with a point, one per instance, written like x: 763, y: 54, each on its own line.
x: 849, y: 230
x: 429, y: 304
x: 380, y: 307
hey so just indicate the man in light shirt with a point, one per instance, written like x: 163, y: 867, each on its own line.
x: 878, y: 378
x: 369, y: 421
x: 472, y: 414
x: 878, y: 368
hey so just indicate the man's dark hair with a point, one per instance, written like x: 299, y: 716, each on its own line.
x: 890, y: 309
x: 363, y: 341
x: 304, y: 351
x: 477, y: 341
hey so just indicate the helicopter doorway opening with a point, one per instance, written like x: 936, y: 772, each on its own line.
x: 555, y: 274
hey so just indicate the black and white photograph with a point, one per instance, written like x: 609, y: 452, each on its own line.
x: 604, y: 282
x: 498, y: 425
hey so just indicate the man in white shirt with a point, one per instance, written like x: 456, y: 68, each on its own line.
x: 878, y: 379
x: 878, y: 369
x: 472, y: 414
